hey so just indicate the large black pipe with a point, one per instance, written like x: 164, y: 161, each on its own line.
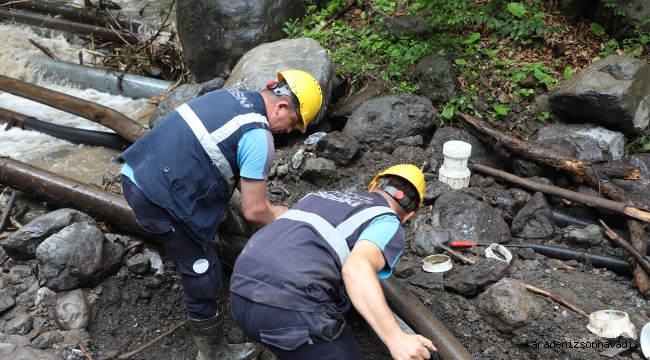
x: 405, y: 305
x: 77, y: 136
x: 617, y: 265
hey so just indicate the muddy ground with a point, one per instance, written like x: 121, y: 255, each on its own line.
x: 126, y: 314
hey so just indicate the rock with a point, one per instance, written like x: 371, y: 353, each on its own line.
x: 139, y: 264
x: 426, y: 238
x: 20, y: 325
x: 611, y: 92
x: 429, y: 281
x: 6, y: 302
x: 588, y: 142
x: 47, y: 339
x: 481, y: 152
x: 469, y: 219
x: 584, y: 238
x: 72, y: 311
x: 378, y: 123
x: 18, y: 347
x: 346, y: 106
x: 321, y: 172
x: 470, y: 280
x: 77, y: 256
x: 216, y: 34
x: 337, y: 147
x: 535, y: 220
x: 22, y: 244
x: 507, y: 305
x: 263, y: 62
x: 433, y: 190
x: 181, y: 95
x: 403, y: 269
x: 436, y: 78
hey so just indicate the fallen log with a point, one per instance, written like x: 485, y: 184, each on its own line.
x: 637, y: 236
x: 74, y: 13
x: 66, y: 192
x: 114, y: 120
x: 583, y: 169
x: 118, y: 36
x: 419, y: 318
x: 594, y: 201
x: 74, y: 135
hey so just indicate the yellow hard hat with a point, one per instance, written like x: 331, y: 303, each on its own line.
x: 306, y: 88
x: 409, y: 172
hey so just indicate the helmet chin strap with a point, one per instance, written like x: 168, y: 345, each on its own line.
x: 398, y: 195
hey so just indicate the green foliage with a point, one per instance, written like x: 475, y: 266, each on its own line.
x: 406, y: 87
x: 500, y: 109
x: 568, y: 72
x: 98, y: 289
x: 541, y: 72
x: 597, y: 29
x: 544, y: 116
x: 639, y: 145
x: 462, y: 104
x: 610, y: 48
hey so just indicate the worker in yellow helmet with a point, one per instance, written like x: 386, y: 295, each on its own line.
x: 297, y: 277
x: 179, y: 177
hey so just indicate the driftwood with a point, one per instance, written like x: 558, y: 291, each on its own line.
x: 457, y: 255
x: 118, y: 36
x: 148, y: 345
x: 556, y: 298
x: 114, y: 120
x: 74, y: 13
x: 594, y: 201
x: 583, y: 169
x: 7, y: 213
x: 637, y: 238
x: 638, y: 258
x: 44, y: 49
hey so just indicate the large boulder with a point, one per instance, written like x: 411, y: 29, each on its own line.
x: 612, y: 92
x: 262, y: 64
x: 436, y: 78
x: 385, y: 123
x: 215, y: 34
x: 621, y: 18
x: 588, y: 142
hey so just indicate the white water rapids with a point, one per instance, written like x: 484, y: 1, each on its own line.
x: 83, y: 163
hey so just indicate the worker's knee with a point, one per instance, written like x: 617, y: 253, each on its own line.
x: 201, y: 279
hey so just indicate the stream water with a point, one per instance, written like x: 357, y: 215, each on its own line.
x: 83, y: 163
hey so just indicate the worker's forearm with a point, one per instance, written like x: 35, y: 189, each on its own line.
x: 368, y: 299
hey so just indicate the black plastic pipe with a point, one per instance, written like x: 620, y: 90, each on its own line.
x: 617, y: 265
x: 77, y: 136
x: 419, y: 318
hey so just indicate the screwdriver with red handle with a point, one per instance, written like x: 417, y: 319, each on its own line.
x: 457, y: 244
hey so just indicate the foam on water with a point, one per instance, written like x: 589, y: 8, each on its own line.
x: 83, y: 163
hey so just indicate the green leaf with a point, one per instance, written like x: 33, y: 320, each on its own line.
x: 472, y: 38
x: 98, y: 289
x: 448, y: 112
x: 568, y: 72
x: 597, y: 29
x: 516, y: 9
x: 501, y: 109
x: 364, y: 16
x: 460, y: 62
x: 491, y: 53
x: 646, y: 147
x: 311, y: 7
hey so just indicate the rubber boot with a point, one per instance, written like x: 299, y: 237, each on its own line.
x: 209, y: 338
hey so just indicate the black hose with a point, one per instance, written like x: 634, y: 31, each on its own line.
x: 77, y: 136
x: 617, y: 265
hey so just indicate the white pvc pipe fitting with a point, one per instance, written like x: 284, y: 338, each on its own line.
x: 454, y: 171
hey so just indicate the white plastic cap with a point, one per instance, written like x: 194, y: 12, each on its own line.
x: 457, y: 149
x: 611, y: 324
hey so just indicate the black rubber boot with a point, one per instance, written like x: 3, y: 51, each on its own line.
x: 209, y: 338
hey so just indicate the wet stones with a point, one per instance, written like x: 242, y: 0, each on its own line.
x: 535, y: 220
x: 426, y: 239
x: 337, y: 147
x: 469, y: 219
x: 590, y: 236
x: 507, y: 305
x: 470, y: 280
x: 71, y: 311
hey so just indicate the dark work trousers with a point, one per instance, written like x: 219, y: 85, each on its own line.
x: 292, y: 335
x: 200, y: 270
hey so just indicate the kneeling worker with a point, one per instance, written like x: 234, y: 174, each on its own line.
x: 298, y: 276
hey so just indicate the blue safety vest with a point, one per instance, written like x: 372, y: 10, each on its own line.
x: 187, y: 163
x: 295, y: 262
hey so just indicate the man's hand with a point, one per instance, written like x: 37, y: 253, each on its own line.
x: 254, y: 205
x: 407, y: 347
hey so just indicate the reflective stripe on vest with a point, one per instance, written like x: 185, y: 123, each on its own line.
x: 210, y: 141
x: 335, y: 236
